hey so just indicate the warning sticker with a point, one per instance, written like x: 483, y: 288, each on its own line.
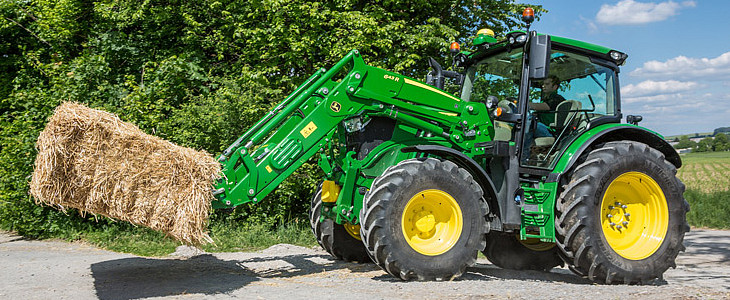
x: 308, y: 129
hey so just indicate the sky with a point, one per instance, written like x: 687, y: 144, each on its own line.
x: 677, y: 75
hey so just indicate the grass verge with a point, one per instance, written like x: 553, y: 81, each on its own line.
x: 228, y: 237
x: 708, y: 209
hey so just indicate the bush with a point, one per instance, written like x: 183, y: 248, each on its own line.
x: 197, y: 73
x: 708, y: 209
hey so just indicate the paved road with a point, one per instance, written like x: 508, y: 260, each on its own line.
x: 59, y: 270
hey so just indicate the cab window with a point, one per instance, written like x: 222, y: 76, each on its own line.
x: 561, y: 106
x: 497, y: 75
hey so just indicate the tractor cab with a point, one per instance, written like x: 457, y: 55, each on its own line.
x: 576, y: 89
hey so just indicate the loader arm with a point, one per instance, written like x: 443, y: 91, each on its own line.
x: 306, y: 121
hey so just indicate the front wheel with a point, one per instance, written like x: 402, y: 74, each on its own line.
x: 341, y: 241
x: 424, y: 219
x: 622, y: 216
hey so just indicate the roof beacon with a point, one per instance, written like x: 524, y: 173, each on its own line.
x: 528, y: 15
x: 454, y: 48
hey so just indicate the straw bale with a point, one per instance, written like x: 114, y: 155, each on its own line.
x: 90, y: 160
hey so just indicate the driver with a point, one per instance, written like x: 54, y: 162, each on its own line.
x: 550, y: 97
x: 550, y: 100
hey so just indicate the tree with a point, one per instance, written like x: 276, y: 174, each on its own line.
x: 704, y: 145
x: 721, y: 142
x: 721, y: 130
x: 199, y: 72
x: 685, y: 142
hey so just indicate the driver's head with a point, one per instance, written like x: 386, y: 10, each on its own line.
x: 550, y: 84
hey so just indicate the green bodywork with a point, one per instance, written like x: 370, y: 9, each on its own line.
x: 316, y: 119
x: 320, y: 118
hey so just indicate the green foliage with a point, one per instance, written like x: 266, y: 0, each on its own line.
x: 721, y: 142
x: 231, y: 237
x: 685, y: 142
x: 227, y: 236
x: 725, y: 130
x: 708, y: 209
x: 197, y: 73
x: 704, y: 145
x: 706, y: 177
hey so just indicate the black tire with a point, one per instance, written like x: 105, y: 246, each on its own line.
x: 504, y: 250
x: 383, y: 209
x: 333, y: 237
x: 581, y: 225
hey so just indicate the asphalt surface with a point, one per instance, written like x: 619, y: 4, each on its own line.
x: 31, y: 269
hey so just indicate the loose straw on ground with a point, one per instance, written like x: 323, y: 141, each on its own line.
x: 92, y: 161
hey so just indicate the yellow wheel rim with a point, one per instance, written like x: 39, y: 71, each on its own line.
x: 432, y: 222
x: 353, y: 230
x: 634, y: 215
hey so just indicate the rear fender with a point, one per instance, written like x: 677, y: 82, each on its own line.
x: 608, y: 133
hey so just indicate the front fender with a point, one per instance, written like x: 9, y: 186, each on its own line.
x: 465, y: 162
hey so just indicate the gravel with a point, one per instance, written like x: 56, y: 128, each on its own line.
x: 32, y: 269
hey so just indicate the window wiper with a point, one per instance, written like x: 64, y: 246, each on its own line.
x: 598, y: 82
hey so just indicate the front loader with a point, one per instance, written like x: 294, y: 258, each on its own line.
x: 419, y: 180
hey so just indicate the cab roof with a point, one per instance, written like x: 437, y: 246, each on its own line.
x: 573, y: 43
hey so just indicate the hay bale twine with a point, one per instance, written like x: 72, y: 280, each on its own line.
x: 91, y: 160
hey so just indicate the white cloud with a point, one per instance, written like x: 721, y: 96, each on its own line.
x: 630, y: 12
x: 651, y: 87
x: 717, y: 68
x: 680, y: 113
x: 592, y: 27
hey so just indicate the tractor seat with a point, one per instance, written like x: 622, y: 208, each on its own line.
x: 563, y: 115
x: 544, y: 141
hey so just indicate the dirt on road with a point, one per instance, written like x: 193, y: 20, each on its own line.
x: 59, y: 270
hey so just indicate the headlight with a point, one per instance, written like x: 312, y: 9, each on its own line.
x: 618, y: 57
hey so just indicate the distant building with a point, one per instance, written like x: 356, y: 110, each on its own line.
x: 684, y: 150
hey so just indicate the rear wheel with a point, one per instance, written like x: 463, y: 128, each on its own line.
x: 341, y: 241
x: 424, y: 219
x: 506, y: 250
x: 622, y: 217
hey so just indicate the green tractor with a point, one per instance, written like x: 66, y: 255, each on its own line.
x: 531, y: 164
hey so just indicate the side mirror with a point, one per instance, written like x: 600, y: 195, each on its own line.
x: 634, y: 120
x: 437, y: 76
x: 539, y: 56
x: 491, y: 102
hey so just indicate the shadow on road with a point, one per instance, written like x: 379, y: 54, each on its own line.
x: 11, y: 239
x: 711, y: 246
x: 138, y: 277
x: 485, y: 272
x: 708, y: 253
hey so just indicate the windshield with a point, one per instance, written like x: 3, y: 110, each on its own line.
x: 497, y: 75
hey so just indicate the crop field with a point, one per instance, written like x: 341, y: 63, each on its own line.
x: 707, y: 177
x: 707, y: 172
